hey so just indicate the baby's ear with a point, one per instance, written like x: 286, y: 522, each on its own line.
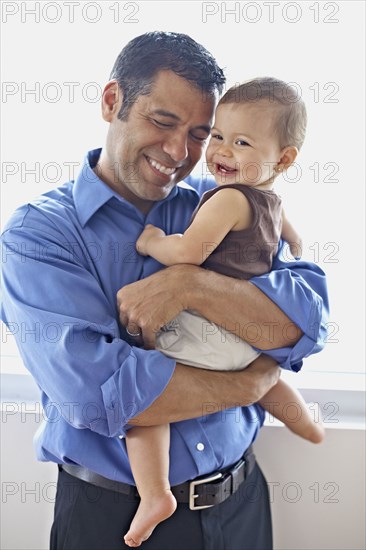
x: 288, y: 157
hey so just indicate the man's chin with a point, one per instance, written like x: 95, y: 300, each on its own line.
x: 153, y: 192
x: 159, y: 188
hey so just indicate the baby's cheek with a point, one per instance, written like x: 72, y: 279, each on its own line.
x: 252, y: 172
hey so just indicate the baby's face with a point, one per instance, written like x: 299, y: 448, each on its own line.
x: 243, y: 147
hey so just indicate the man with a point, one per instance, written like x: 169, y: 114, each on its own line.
x: 71, y: 252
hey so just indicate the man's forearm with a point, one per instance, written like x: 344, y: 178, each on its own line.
x: 241, y: 308
x: 193, y: 392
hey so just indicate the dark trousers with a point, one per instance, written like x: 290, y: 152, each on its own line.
x: 92, y: 518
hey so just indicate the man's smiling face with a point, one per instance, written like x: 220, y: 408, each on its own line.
x: 160, y: 142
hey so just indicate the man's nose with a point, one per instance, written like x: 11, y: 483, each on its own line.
x: 176, y: 147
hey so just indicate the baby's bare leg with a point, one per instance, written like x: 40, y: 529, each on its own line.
x: 148, y: 452
x: 288, y: 405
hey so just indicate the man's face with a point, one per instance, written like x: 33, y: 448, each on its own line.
x: 160, y: 142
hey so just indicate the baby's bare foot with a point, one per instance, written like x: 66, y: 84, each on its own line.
x: 149, y: 514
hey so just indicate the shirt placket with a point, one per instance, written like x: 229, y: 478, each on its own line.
x: 198, y: 445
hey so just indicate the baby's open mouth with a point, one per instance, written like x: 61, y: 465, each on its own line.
x: 225, y: 170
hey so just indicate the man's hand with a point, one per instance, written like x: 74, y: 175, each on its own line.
x: 151, y: 303
x: 150, y: 232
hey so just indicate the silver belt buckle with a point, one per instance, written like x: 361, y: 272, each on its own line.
x: 192, y: 494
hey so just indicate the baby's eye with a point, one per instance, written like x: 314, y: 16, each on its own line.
x: 216, y: 136
x: 241, y: 142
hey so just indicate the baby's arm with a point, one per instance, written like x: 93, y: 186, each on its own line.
x: 290, y: 235
x: 287, y: 404
x: 226, y: 210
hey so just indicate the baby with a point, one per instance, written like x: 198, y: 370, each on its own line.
x: 235, y: 230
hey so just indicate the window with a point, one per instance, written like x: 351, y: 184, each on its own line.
x: 323, y: 193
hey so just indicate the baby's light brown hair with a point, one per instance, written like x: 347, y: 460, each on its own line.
x: 291, y: 118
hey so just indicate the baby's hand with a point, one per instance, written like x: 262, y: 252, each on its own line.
x: 296, y: 248
x: 149, y: 233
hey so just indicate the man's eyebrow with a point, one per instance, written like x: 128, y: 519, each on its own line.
x: 204, y: 127
x: 168, y: 114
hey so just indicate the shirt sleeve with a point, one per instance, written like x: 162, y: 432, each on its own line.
x: 299, y: 289
x: 69, y: 338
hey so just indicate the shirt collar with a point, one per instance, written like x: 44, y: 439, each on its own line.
x: 91, y: 193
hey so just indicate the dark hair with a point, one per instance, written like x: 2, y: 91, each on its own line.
x: 145, y: 55
x: 291, y: 120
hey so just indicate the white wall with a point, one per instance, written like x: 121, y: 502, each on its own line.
x: 317, y: 492
x: 25, y: 518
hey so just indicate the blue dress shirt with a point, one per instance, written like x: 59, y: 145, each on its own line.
x: 65, y: 256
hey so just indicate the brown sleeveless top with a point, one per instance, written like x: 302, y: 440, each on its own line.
x: 244, y: 254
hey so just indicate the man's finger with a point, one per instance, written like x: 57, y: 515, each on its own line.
x: 149, y: 337
x: 133, y: 330
x: 123, y: 319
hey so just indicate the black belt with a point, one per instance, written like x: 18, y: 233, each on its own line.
x: 202, y: 492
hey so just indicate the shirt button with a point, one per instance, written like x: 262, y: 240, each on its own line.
x: 120, y: 436
x: 200, y: 446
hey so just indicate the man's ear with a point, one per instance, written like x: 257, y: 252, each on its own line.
x: 287, y: 157
x: 111, y: 100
